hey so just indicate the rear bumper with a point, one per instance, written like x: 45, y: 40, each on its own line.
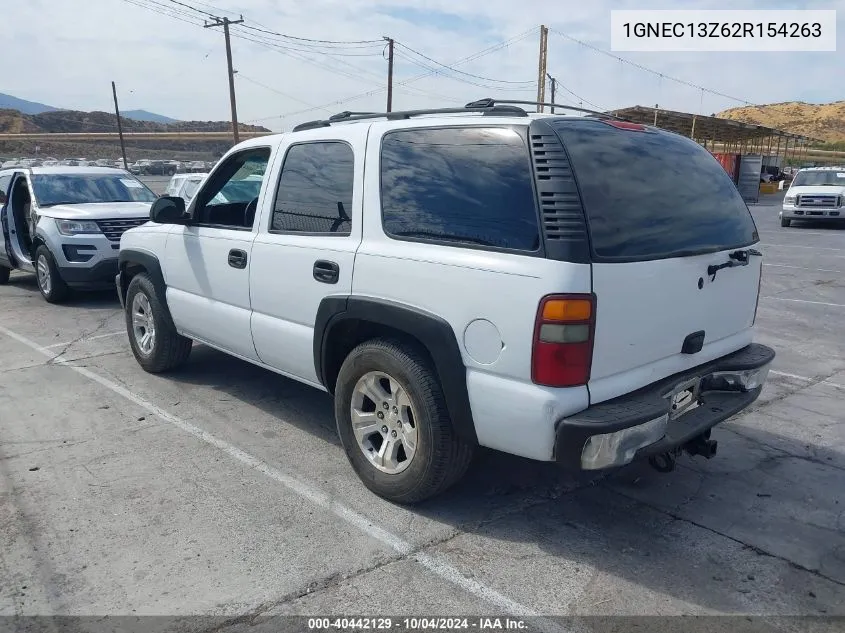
x: 643, y: 423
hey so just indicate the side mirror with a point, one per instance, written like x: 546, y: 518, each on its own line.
x: 168, y: 210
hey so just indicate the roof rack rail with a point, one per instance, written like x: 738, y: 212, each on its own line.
x: 490, y: 103
x: 342, y: 117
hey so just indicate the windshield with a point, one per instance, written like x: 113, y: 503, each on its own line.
x: 53, y: 189
x: 819, y: 178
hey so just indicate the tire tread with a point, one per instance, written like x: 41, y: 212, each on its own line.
x: 171, y: 348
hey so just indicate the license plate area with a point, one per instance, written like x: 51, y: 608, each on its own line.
x: 684, y: 397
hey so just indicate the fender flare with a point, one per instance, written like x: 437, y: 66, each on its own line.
x: 148, y: 261
x: 432, y: 331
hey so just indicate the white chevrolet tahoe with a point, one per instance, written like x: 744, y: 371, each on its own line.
x: 570, y: 289
x: 816, y: 193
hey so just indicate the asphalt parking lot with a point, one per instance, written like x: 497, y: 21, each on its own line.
x: 222, y: 489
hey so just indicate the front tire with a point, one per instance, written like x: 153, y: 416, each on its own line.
x: 156, y: 344
x: 53, y: 288
x: 784, y: 222
x: 4, y: 276
x: 394, y: 424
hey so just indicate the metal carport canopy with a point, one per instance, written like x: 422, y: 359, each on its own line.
x: 702, y: 127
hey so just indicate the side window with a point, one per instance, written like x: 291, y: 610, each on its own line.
x: 459, y: 185
x: 315, y: 190
x: 230, y: 195
x: 4, y: 184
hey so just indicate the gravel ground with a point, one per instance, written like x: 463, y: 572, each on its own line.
x: 222, y: 489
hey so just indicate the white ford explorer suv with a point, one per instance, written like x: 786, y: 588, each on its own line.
x: 570, y: 289
x: 817, y: 193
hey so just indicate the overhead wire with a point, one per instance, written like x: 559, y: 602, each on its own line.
x: 647, y: 69
x: 455, y: 70
x: 404, y: 83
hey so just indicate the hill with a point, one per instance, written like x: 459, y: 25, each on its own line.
x: 825, y: 121
x: 9, y: 102
x: 14, y: 122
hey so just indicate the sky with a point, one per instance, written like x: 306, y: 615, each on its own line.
x: 163, y: 60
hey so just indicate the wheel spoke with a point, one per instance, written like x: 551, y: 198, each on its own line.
x: 364, y: 424
x: 409, y: 439
x: 388, y: 453
x: 139, y: 320
x: 401, y: 399
x: 371, y: 387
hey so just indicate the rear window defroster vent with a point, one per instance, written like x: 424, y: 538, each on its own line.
x: 561, y: 211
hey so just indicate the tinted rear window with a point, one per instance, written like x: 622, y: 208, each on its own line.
x: 653, y: 195
x: 459, y: 185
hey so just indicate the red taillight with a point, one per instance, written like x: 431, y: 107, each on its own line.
x: 563, y: 340
x: 625, y: 125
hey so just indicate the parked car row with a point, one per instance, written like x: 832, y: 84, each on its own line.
x: 168, y: 167
x: 443, y: 278
x: 144, y: 167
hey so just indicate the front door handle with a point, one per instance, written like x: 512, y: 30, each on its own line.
x: 237, y: 258
x: 326, y: 272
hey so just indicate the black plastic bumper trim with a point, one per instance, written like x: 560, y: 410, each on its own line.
x: 101, y: 275
x: 650, y: 402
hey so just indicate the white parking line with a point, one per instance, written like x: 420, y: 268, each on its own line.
x: 87, y: 338
x: 306, y: 491
x: 820, y: 303
x: 817, y: 270
x: 806, y: 379
x: 818, y: 248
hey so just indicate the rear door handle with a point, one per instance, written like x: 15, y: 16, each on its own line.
x: 326, y: 272
x: 237, y: 258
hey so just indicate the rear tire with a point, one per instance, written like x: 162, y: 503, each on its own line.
x: 4, y: 276
x: 439, y: 458
x: 156, y: 344
x: 784, y: 222
x: 53, y: 288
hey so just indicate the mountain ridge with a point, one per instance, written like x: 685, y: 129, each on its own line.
x: 11, y: 102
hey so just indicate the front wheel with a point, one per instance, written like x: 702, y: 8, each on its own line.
x: 394, y: 425
x: 156, y: 344
x: 784, y: 222
x: 4, y: 275
x: 53, y: 288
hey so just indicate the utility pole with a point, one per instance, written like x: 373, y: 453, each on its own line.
x: 225, y: 22
x: 554, y: 85
x: 119, y: 126
x: 541, y: 70
x: 389, y: 73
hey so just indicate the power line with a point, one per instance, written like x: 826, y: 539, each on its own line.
x: 649, y: 70
x: 435, y: 71
x: 283, y: 35
x: 404, y: 84
x: 161, y: 9
x: 200, y: 11
x: 461, y: 72
x: 307, y: 39
x: 482, y: 53
x: 240, y: 75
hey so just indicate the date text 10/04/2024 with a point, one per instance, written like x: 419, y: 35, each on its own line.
x: 416, y: 624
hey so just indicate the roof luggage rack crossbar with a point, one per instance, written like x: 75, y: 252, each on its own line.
x: 489, y: 103
x: 342, y: 117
